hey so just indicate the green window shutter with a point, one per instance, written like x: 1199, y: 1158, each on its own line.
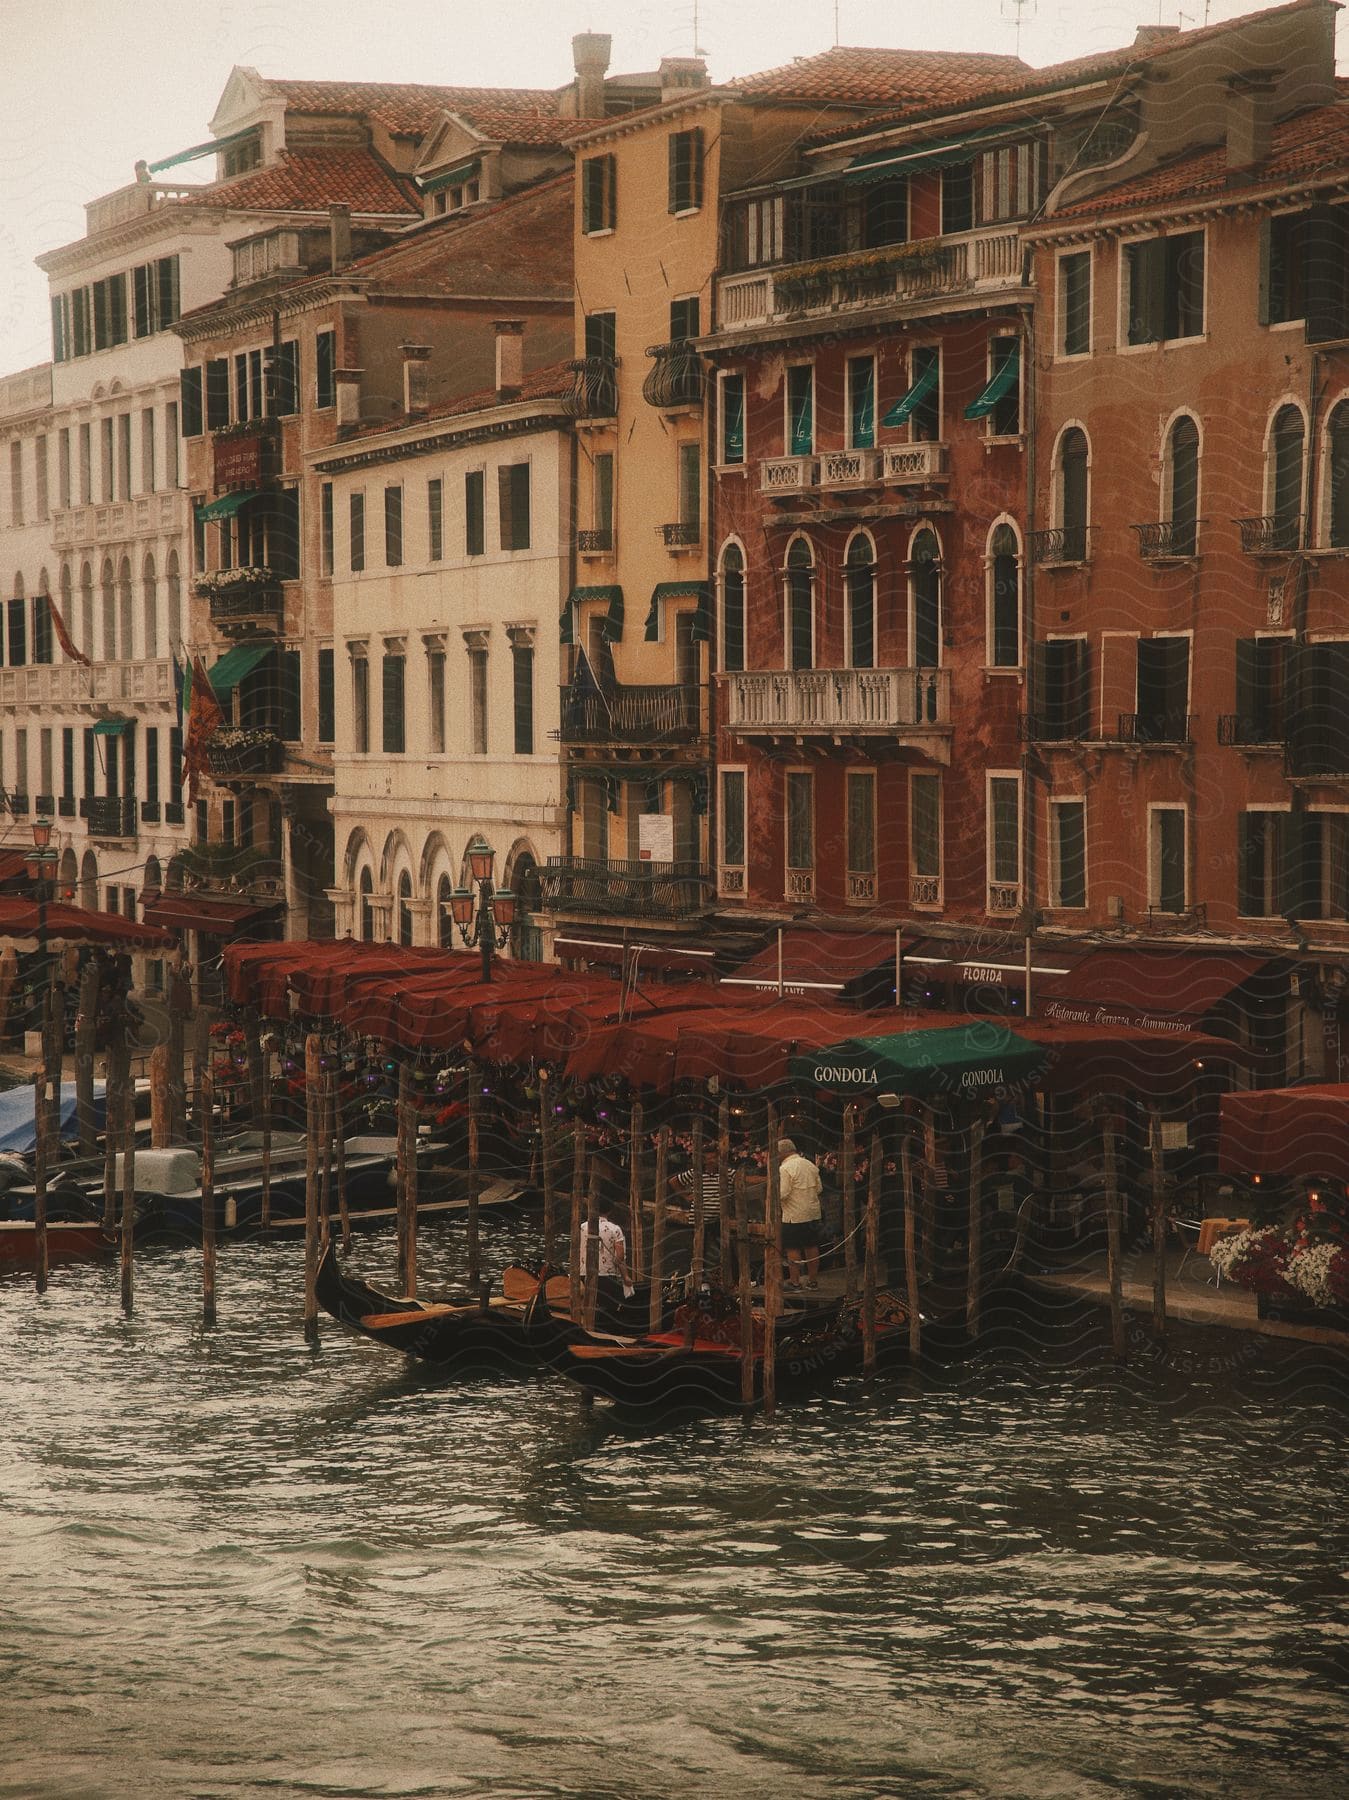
x: 217, y: 394
x: 326, y: 696
x: 189, y: 403
x: 674, y: 201
x: 325, y: 347
x: 862, y: 389
x: 733, y: 419
x: 1262, y: 298
x: 611, y: 192
x: 474, y: 531
x: 1248, y: 690
x: 924, y: 385
x: 142, y: 304
x: 800, y: 410
x: 1004, y: 379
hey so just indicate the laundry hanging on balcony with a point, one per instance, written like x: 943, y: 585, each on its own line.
x: 903, y: 410
x: 1004, y: 380
x: 672, y: 590
x: 225, y: 507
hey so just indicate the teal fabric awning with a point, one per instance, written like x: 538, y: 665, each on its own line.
x: 225, y: 507
x: 902, y: 411
x: 226, y: 675
x: 670, y: 590
x: 199, y: 150
x: 878, y: 165
x: 611, y: 626
x: 449, y: 177
x: 974, y: 1060
x: 1004, y: 380
x: 110, y: 727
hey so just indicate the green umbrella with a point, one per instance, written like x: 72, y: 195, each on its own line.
x: 978, y: 1058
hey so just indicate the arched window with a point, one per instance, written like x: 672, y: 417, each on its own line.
x: 405, y: 910
x: 444, y: 917
x: 925, y: 600
x: 859, y: 574
x: 174, y: 602
x: 366, y: 888
x: 86, y: 640
x: 1337, y: 476
x: 151, y: 608
x: 1182, y: 485
x: 1004, y: 599
x: 800, y: 605
x: 1072, y: 494
x: 732, y: 608
x: 109, y: 595
x: 70, y: 876
x: 526, y: 938
x: 125, y: 608
x: 1286, y: 449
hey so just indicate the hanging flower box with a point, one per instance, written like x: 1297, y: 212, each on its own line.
x: 235, y: 751
x: 252, y: 580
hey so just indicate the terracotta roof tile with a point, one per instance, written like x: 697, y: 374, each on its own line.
x: 539, y: 384
x: 520, y: 246
x: 311, y: 180
x: 405, y: 107
x: 516, y: 126
x: 1315, y: 142
x: 865, y: 77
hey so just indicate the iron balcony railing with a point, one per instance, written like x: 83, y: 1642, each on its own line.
x: 1271, y: 534
x: 1166, y: 727
x: 594, y: 391
x: 262, y: 755
x: 246, y: 605
x: 653, y: 890
x: 681, y: 535
x: 112, y: 815
x: 595, y: 541
x: 1242, y: 729
x: 828, y: 700
x: 631, y: 715
x: 677, y: 376
x: 1061, y: 544
x: 1165, y: 539
x: 1061, y: 726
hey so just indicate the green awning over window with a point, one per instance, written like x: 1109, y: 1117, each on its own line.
x: 1004, y: 380
x: 879, y: 165
x: 225, y: 507
x: 670, y: 590
x: 454, y: 177
x: 111, y: 727
x: 207, y: 149
x: 902, y: 411
x: 226, y: 675
x: 974, y: 1060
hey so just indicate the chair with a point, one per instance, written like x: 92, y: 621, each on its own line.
x: 1180, y: 1227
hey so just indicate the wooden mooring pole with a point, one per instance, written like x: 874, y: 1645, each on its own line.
x: 975, y: 1270
x: 847, y: 1176
x: 112, y: 1125
x: 407, y: 1185
x: 267, y: 1136
x: 159, y: 1097
x: 85, y: 1021
x: 578, y: 1156
x: 723, y: 1191
x: 910, y: 1247
x: 636, y: 1223
x: 1112, y: 1242
x: 40, y: 1118
x: 311, y: 1187
x: 548, y: 1162
x: 699, y: 1210
x: 126, y: 1113
x: 474, y: 1186
x: 206, y: 1110
x: 872, y: 1254
x: 340, y: 1153
x: 746, y: 1298
x: 1158, y: 1226
x: 592, y: 1244
x: 656, y: 1300
x: 772, y: 1275
x: 180, y: 1011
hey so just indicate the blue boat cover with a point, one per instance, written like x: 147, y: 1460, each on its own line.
x: 16, y: 1116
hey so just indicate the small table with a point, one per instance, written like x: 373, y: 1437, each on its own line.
x: 1212, y: 1229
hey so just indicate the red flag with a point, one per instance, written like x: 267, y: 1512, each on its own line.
x: 204, y: 718
x: 63, y: 636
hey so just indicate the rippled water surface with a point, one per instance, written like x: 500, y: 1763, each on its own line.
x: 233, y: 1566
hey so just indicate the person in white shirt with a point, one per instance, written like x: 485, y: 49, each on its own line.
x: 615, y: 1281
x: 799, y: 1185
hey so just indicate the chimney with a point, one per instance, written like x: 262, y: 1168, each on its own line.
x: 339, y: 237
x: 590, y: 54
x: 416, y: 377
x: 1250, y: 117
x: 510, y: 357
x: 681, y: 75
x: 348, y: 385
x: 1147, y: 37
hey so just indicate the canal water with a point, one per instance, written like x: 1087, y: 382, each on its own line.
x: 233, y: 1566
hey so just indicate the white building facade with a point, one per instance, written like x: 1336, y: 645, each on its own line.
x: 449, y: 543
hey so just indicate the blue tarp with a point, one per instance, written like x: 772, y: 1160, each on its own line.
x: 16, y: 1115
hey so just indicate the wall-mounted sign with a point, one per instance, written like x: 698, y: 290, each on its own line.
x: 238, y: 462
x: 655, y: 837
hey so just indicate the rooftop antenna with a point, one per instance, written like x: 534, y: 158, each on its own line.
x: 1014, y: 12
x: 836, y: 2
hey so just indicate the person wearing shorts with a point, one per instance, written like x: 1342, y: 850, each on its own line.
x: 799, y: 1185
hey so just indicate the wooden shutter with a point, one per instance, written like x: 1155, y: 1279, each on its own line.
x: 1327, y: 249
x: 1263, y: 288
x: 189, y: 398
x: 217, y: 394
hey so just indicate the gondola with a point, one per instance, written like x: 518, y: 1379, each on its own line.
x: 519, y: 1330
x: 697, y: 1363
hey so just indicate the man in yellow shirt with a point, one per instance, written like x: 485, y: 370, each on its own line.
x: 799, y: 1186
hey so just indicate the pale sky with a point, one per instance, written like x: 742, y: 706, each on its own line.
x: 88, y: 86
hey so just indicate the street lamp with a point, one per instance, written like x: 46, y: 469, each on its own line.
x: 485, y: 916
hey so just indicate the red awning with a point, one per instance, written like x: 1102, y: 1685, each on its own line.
x: 986, y: 962
x: 14, y: 868
x: 215, y: 914
x: 1153, y: 988
x: 646, y: 958
x: 76, y: 925
x: 815, y: 960
x: 1299, y: 1132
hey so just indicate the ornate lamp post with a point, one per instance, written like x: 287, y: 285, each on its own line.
x: 483, y: 914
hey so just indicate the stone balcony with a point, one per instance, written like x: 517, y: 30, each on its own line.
x: 974, y: 263
x: 72, y: 686
x: 119, y: 521
x: 911, y: 706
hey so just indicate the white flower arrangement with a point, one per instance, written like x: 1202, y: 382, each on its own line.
x: 1228, y: 1253
x: 223, y: 581
x: 1309, y: 1272
x: 241, y: 737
